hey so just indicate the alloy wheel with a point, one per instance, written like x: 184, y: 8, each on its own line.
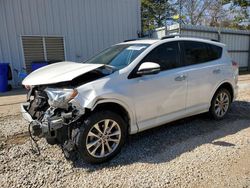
x: 103, y: 138
x: 221, y: 104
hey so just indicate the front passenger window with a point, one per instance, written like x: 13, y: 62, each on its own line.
x: 166, y: 55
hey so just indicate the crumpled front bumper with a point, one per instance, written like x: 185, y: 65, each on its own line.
x: 45, y: 127
x: 25, y: 113
x: 34, y: 127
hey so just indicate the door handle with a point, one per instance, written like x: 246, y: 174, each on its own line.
x: 180, y: 78
x: 216, y: 71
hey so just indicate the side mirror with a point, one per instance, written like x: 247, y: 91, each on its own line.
x: 148, y: 68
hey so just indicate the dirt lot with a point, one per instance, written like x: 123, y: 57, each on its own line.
x: 193, y: 152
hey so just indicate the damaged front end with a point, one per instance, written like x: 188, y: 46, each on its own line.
x: 53, y: 113
x: 54, y: 107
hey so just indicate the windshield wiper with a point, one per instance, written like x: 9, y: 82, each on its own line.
x: 111, y: 67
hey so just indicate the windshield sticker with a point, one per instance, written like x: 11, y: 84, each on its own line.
x: 136, y: 47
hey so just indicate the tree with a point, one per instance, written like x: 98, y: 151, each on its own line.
x: 229, y: 13
x: 216, y: 14
x: 224, y: 13
x: 154, y: 13
x: 195, y: 10
x: 240, y: 10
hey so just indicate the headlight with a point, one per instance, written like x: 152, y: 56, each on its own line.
x: 59, y: 98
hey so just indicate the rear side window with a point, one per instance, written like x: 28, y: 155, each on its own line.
x: 199, y: 52
x: 214, y: 52
x: 166, y: 55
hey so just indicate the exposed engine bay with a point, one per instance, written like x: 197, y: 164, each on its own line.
x: 53, y: 123
x: 54, y: 112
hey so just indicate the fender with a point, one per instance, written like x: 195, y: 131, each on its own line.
x: 133, y: 127
x: 217, y: 86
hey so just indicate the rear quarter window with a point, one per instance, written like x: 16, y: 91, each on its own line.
x: 214, y: 52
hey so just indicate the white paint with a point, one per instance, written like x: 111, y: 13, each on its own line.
x: 58, y: 72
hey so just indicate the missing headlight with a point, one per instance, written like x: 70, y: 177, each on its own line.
x: 59, y: 98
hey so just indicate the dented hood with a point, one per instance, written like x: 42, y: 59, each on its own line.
x: 58, y: 72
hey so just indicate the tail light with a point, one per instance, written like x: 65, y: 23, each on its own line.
x: 235, y: 64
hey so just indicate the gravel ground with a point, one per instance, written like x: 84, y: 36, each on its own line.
x: 193, y: 152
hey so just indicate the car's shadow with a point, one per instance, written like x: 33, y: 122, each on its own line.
x: 164, y: 143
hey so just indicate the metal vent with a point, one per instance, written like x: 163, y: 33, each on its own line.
x: 37, y: 48
x: 33, y: 50
x: 54, y: 48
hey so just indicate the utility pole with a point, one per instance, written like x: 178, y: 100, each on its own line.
x: 166, y: 11
x: 220, y: 20
x: 180, y: 17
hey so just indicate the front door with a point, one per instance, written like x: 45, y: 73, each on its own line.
x: 159, y: 97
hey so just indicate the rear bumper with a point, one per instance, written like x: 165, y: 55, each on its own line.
x: 236, y: 89
x: 25, y: 113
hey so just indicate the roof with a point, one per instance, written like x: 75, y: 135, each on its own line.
x: 197, y: 39
x: 177, y: 38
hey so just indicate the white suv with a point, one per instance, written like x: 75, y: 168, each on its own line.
x: 91, y: 107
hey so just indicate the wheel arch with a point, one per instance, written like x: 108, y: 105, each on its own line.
x: 120, y: 108
x: 227, y: 85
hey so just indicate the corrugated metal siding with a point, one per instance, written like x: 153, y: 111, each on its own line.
x: 237, y: 41
x: 241, y: 58
x: 200, y: 34
x: 87, y: 26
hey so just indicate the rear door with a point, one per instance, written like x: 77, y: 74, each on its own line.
x: 204, y: 71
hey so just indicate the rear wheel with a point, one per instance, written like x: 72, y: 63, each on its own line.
x: 220, y: 104
x: 101, y: 137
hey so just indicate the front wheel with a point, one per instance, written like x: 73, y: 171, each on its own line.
x: 101, y: 136
x: 220, y: 104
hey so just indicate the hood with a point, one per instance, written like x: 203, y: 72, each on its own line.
x: 58, y: 72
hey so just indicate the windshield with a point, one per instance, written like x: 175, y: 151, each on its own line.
x: 118, y: 56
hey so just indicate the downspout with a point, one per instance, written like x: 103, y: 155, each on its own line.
x: 248, y: 54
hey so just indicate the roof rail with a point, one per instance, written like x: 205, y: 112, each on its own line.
x: 192, y: 36
x: 128, y: 40
x: 169, y: 36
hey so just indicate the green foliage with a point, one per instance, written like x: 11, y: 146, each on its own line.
x: 227, y: 13
x: 154, y: 13
x: 238, y: 15
x: 241, y: 11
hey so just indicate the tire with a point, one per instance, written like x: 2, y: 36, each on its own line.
x: 214, y: 111
x: 51, y: 141
x: 83, y: 138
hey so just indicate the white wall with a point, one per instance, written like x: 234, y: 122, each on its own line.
x: 88, y: 26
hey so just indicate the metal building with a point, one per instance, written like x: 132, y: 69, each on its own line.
x: 52, y: 30
x: 237, y: 41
